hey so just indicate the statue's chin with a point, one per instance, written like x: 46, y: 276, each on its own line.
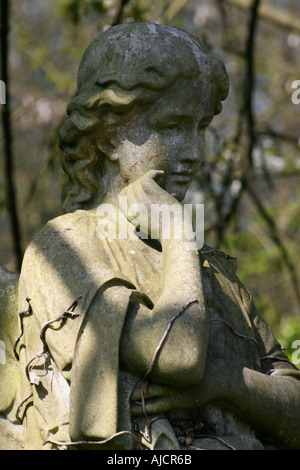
x: 179, y: 198
x: 178, y: 194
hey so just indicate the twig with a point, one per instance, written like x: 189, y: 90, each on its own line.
x: 164, y: 336
x: 288, y: 138
x: 245, y: 115
x: 171, y: 10
x: 242, y: 336
x: 147, y: 432
x: 21, y: 405
x: 250, y: 78
x: 237, y: 266
x: 277, y: 240
x: 21, y: 316
x: 67, y: 313
x: 238, y: 334
x: 209, y: 436
x: 157, y: 351
x: 45, y: 350
x: 120, y: 12
x: 270, y: 12
x: 250, y: 125
x: 277, y: 359
x: 105, y: 441
x: 28, y: 368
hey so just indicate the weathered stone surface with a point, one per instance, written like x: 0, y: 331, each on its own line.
x: 131, y: 338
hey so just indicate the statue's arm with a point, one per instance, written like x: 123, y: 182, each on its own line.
x: 270, y: 403
x: 181, y: 357
x: 94, y: 381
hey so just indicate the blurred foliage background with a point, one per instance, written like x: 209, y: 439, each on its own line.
x: 250, y: 179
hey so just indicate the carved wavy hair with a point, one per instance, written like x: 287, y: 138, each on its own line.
x: 123, y: 70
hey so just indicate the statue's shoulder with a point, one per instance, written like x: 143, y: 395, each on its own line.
x: 65, y: 230
x: 74, y: 221
x: 64, y: 240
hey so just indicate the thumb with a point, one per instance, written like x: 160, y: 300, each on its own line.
x: 153, y: 175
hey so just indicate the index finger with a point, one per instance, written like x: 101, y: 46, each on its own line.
x: 153, y: 391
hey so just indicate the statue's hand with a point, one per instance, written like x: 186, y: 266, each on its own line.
x: 161, y: 399
x: 139, y: 203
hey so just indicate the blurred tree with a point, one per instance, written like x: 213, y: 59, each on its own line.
x: 10, y: 199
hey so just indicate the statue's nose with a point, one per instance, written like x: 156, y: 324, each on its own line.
x: 193, y: 151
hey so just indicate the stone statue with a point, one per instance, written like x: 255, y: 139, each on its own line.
x: 138, y: 341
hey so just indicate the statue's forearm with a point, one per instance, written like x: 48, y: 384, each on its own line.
x: 182, y: 285
x: 182, y: 356
x: 270, y: 403
x: 181, y: 271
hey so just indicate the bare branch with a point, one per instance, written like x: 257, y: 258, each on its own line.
x: 7, y: 134
x: 274, y: 234
x: 277, y: 16
x: 120, y: 12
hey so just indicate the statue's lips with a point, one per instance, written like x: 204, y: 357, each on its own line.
x: 182, y: 176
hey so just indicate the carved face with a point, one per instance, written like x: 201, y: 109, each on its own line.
x: 113, y: 135
x: 169, y: 136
